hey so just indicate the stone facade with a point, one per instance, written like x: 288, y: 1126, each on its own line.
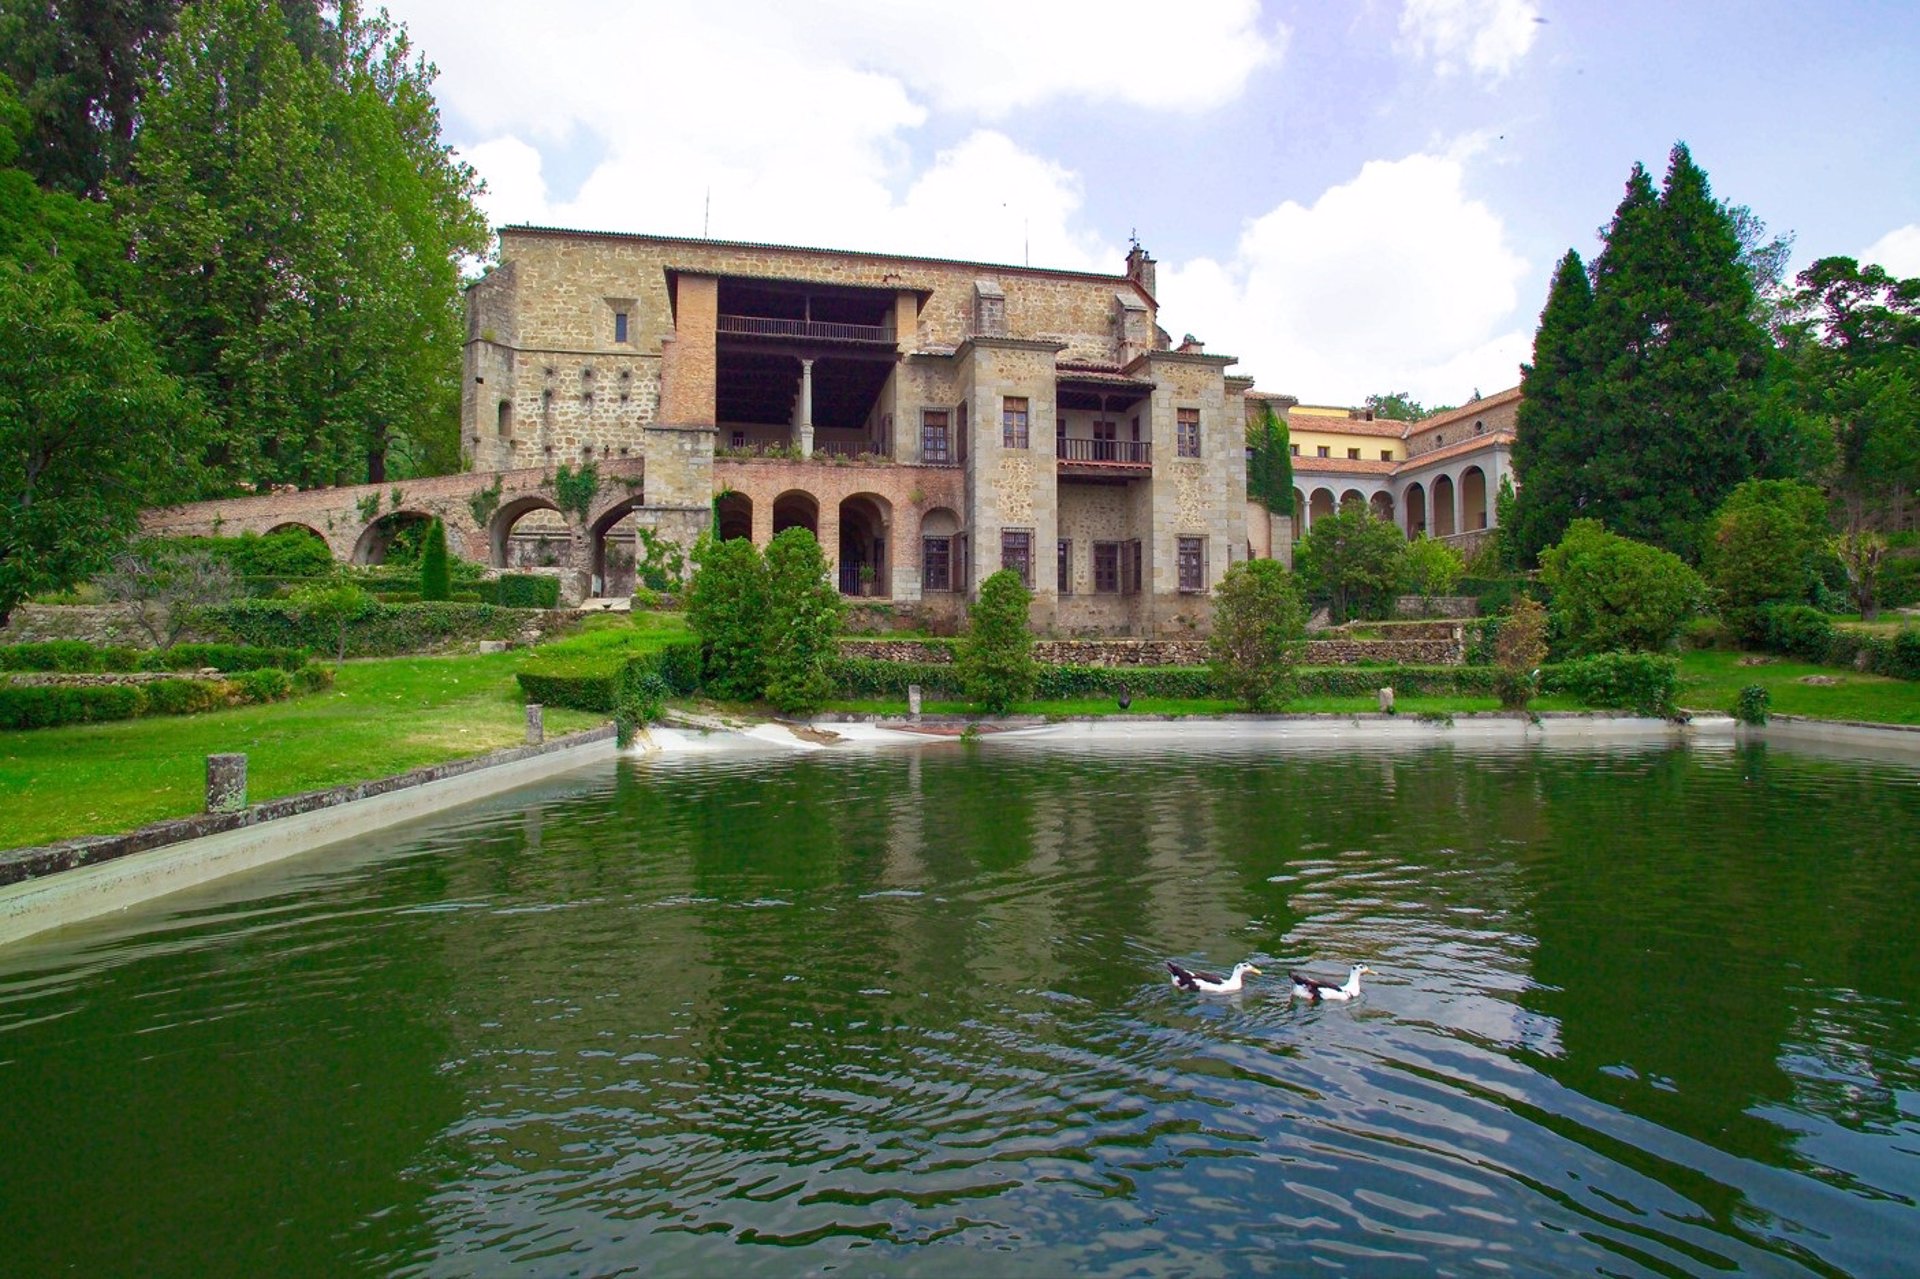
x: 994, y: 414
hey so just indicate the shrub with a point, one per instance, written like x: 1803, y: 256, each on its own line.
x: 1496, y: 594
x: 802, y: 619
x: 662, y: 566
x: 1431, y: 568
x: 995, y: 660
x: 159, y: 585
x: 1765, y: 538
x: 727, y: 608
x: 1612, y: 593
x: 520, y: 590
x: 1706, y: 633
x: 436, y: 583
x: 222, y: 657
x: 311, y: 678
x: 1796, y: 630
x: 50, y: 706
x: 1646, y: 683
x: 1900, y: 581
x: 1752, y: 704
x: 67, y: 655
x: 640, y: 700
x: 288, y: 553
x: 182, y: 696
x: 1352, y: 561
x: 1519, y: 650
x: 365, y: 629
x: 1259, y: 625
x: 269, y: 684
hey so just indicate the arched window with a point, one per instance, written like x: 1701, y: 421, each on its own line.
x: 506, y: 419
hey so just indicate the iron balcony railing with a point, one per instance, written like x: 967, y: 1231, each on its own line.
x: 1105, y: 452
x: 766, y: 326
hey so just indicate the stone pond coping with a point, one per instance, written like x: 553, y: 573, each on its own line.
x: 49, y: 885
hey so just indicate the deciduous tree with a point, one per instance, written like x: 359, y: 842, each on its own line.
x: 1353, y: 561
x: 727, y: 609
x: 801, y: 624
x: 1259, y: 627
x: 995, y: 658
x: 1611, y: 593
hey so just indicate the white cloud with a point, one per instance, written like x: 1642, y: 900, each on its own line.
x: 1898, y: 251
x: 1396, y: 280
x: 1485, y: 37
x: 796, y: 123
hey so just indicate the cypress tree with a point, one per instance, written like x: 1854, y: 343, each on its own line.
x: 436, y: 582
x: 1650, y: 404
x: 1270, y: 467
x: 1550, y: 446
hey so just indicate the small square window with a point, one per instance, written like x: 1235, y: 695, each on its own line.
x: 1187, y: 432
x: 1191, y: 553
x: 1353, y: 455
x: 620, y: 326
x: 1386, y: 455
x: 1323, y: 451
x: 1294, y: 449
x: 1013, y: 422
x: 1016, y: 553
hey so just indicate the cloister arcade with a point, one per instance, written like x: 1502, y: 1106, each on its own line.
x: 1439, y: 501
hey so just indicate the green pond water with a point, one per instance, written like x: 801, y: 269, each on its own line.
x: 1640, y: 1010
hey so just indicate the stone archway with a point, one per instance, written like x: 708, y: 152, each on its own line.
x: 1352, y: 497
x: 615, y: 549
x: 1416, y: 511
x: 733, y: 514
x: 378, y: 539
x: 796, y: 508
x: 1473, y: 499
x: 1381, y: 504
x: 866, y: 551
x: 1320, y: 506
x: 1443, y: 506
x: 543, y: 542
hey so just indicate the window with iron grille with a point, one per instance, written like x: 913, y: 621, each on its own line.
x: 1187, y: 432
x: 1016, y: 553
x: 1013, y: 422
x: 1106, y: 568
x: 1063, y: 568
x: 933, y: 436
x: 1191, y: 555
x: 936, y: 563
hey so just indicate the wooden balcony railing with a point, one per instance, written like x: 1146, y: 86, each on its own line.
x: 766, y: 326
x: 1105, y: 452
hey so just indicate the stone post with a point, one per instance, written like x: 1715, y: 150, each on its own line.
x: 913, y: 701
x: 536, y: 724
x: 226, y: 783
x: 1386, y: 701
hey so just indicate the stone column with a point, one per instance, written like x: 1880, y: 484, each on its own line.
x: 536, y: 724
x: 805, y: 413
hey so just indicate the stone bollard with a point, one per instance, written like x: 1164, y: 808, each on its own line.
x: 913, y: 701
x: 1386, y: 701
x: 536, y: 724
x: 226, y: 783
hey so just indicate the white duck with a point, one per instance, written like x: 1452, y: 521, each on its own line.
x: 1305, y: 987
x: 1210, y: 983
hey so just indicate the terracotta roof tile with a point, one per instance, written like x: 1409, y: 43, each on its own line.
x: 1342, y: 466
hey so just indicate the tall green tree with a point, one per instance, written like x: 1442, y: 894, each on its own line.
x: 801, y: 624
x: 1650, y: 404
x: 727, y: 609
x: 1399, y: 406
x: 299, y: 227
x: 1270, y: 464
x: 995, y: 657
x: 91, y: 430
x: 1259, y: 631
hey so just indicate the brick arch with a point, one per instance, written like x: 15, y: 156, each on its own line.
x: 370, y: 547
x: 500, y: 527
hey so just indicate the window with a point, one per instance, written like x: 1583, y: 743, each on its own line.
x: 1438, y: 440
x: 1063, y: 567
x: 1106, y: 568
x: 1187, y: 432
x: 1322, y: 451
x: 933, y: 436
x: 1130, y: 567
x: 1294, y: 449
x: 1479, y: 427
x: 505, y: 423
x: 1386, y: 455
x: 936, y: 563
x: 1016, y: 553
x: 1353, y: 455
x: 1191, y: 555
x: 619, y: 326
x: 1013, y: 422
x: 739, y: 439
x: 1106, y: 436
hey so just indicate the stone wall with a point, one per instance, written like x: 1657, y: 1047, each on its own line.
x: 1460, y: 606
x: 1171, y: 652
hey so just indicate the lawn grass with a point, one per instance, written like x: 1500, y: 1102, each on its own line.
x: 1712, y: 680
x: 382, y: 716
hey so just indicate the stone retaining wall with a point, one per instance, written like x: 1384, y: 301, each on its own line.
x: 96, y: 679
x: 111, y: 624
x: 1335, y: 651
x: 1461, y: 606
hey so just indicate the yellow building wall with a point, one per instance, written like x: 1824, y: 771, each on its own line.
x: 1310, y: 436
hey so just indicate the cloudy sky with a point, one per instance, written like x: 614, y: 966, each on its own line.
x: 1352, y: 197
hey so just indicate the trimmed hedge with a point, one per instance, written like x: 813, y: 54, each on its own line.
x: 863, y: 677
x: 595, y: 684
x: 520, y: 590
x: 75, y: 656
x: 1496, y: 594
x: 1646, y: 683
x: 1896, y: 655
x: 1797, y: 630
x: 52, y: 706
x: 386, y: 630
